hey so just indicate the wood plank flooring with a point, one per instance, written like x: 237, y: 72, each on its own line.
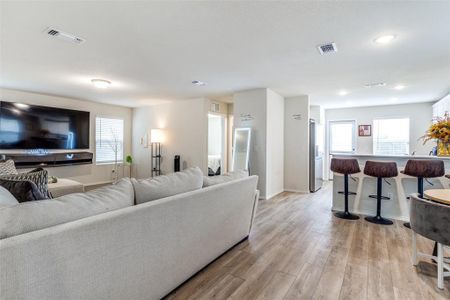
x: 298, y: 250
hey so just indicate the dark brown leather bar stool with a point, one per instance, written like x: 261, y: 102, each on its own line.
x: 423, y: 168
x: 380, y: 170
x: 345, y: 166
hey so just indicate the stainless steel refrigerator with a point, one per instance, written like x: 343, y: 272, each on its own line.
x: 315, y: 159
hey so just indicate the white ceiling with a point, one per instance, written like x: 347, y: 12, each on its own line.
x: 151, y: 51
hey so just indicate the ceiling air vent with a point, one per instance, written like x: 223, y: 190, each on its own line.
x: 327, y: 48
x: 64, y: 36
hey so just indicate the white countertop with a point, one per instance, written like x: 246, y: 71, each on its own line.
x: 390, y: 156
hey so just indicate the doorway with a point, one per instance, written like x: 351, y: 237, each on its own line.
x: 217, y: 144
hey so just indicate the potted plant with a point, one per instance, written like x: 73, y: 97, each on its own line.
x: 440, y: 131
x: 129, y: 161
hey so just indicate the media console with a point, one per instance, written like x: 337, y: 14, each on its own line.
x: 25, y: 160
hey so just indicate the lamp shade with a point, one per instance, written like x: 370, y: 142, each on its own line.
x: 157, y: 136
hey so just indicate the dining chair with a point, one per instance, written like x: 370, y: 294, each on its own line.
x: 431, y: 220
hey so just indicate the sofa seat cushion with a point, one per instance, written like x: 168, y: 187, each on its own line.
x: 230, y: 176
x: 167, y: 185
x: 6, y: 198
x: 30, y: 216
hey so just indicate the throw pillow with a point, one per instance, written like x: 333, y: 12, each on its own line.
x: 39, y: 176
x: 167, y: 185
x: 23, y: 190
x: 36, y: 215
x: 213, y: 180
x: 8, y: 168
x: 6, y: 198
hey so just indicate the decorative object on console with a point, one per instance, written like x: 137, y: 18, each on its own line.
x: 8, y: 168
x: 365, y: 130
x: 230, y: 176
x: 38, y: 176
x: 129, y: 161
x: 64, y: 187
x: 156, y: 138
x: 23, y: 190
x: 440, y: 131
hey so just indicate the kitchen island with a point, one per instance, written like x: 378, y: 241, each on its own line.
x: 397, y: 189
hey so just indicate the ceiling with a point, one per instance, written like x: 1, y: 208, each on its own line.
x: 152, y: 51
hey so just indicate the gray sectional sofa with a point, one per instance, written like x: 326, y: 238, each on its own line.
x: 123, y: 251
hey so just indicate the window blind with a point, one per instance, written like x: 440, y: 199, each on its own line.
x: 391, y: 136
x: 108, y: 140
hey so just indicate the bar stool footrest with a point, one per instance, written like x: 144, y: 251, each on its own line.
x: 382, y: 197
x: 350, y: 193
x: 345, y: 215
x: 379, y: 220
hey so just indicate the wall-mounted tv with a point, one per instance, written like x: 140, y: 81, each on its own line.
x: 26, y: 127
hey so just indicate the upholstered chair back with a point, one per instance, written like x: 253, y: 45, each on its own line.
x: 430, y: 219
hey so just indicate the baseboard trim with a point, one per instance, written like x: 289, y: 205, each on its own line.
x: 296, y: 191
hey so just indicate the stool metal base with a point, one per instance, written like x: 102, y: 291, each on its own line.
x: 343, y: 193
x: 379, y: 220
x: 382, y: 197
x: 345, y: 215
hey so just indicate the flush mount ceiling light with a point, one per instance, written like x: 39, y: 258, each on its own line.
x: 385, y: 39
x: 394, y: 99
x: 101, y: 83
x: 375, y: 84
x: 399, y: 87
x: 198, y: 82
x: 343, y: 93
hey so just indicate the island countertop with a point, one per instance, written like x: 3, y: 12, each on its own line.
x: 390, y: 156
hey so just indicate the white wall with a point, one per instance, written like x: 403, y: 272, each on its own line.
x: 253, y: 103
x: 263, y: 111
x: 87, y: 174
x: 420, y: 115
x: 275, y: 144
x: 296, y: 144
x: 186, y: 129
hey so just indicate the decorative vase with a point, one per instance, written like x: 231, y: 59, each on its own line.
x: 443, y: 149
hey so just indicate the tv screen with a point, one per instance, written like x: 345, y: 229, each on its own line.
x: 24, y: 126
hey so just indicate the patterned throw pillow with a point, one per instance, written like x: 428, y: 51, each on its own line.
x: 8, y: 168
x: 38, y: 176
x: 23, y: 190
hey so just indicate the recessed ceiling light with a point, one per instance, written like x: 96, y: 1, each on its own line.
x: 343, y: 93
x: 21, y: 105
x: 198, y: 82
x: 399, y: 87
x: 101, y: 83
x: 385, y: 39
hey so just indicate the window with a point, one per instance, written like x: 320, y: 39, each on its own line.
x: 108, y: 140
x: 342, y: 136
x: 391, y: 136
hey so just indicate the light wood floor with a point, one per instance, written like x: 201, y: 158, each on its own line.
x: 298, y: 250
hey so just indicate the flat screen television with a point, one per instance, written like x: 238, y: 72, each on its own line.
x: 29, y: 127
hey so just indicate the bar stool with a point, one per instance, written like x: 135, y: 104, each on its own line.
x: 345, y: 166
x: 380, y: 170
x: 423, y: 168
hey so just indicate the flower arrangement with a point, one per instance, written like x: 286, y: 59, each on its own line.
x: 440, y: 131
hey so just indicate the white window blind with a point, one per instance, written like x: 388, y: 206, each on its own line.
x: 342, y: 136
x: 391, y: 136
x: 108, y: 140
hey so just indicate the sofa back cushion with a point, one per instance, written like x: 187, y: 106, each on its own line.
x: 35, y: 215
x: 213, y: 180
x: 6, y: 198
x: 167, y: 185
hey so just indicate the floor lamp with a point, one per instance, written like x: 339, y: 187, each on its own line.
x: 156, y: 139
